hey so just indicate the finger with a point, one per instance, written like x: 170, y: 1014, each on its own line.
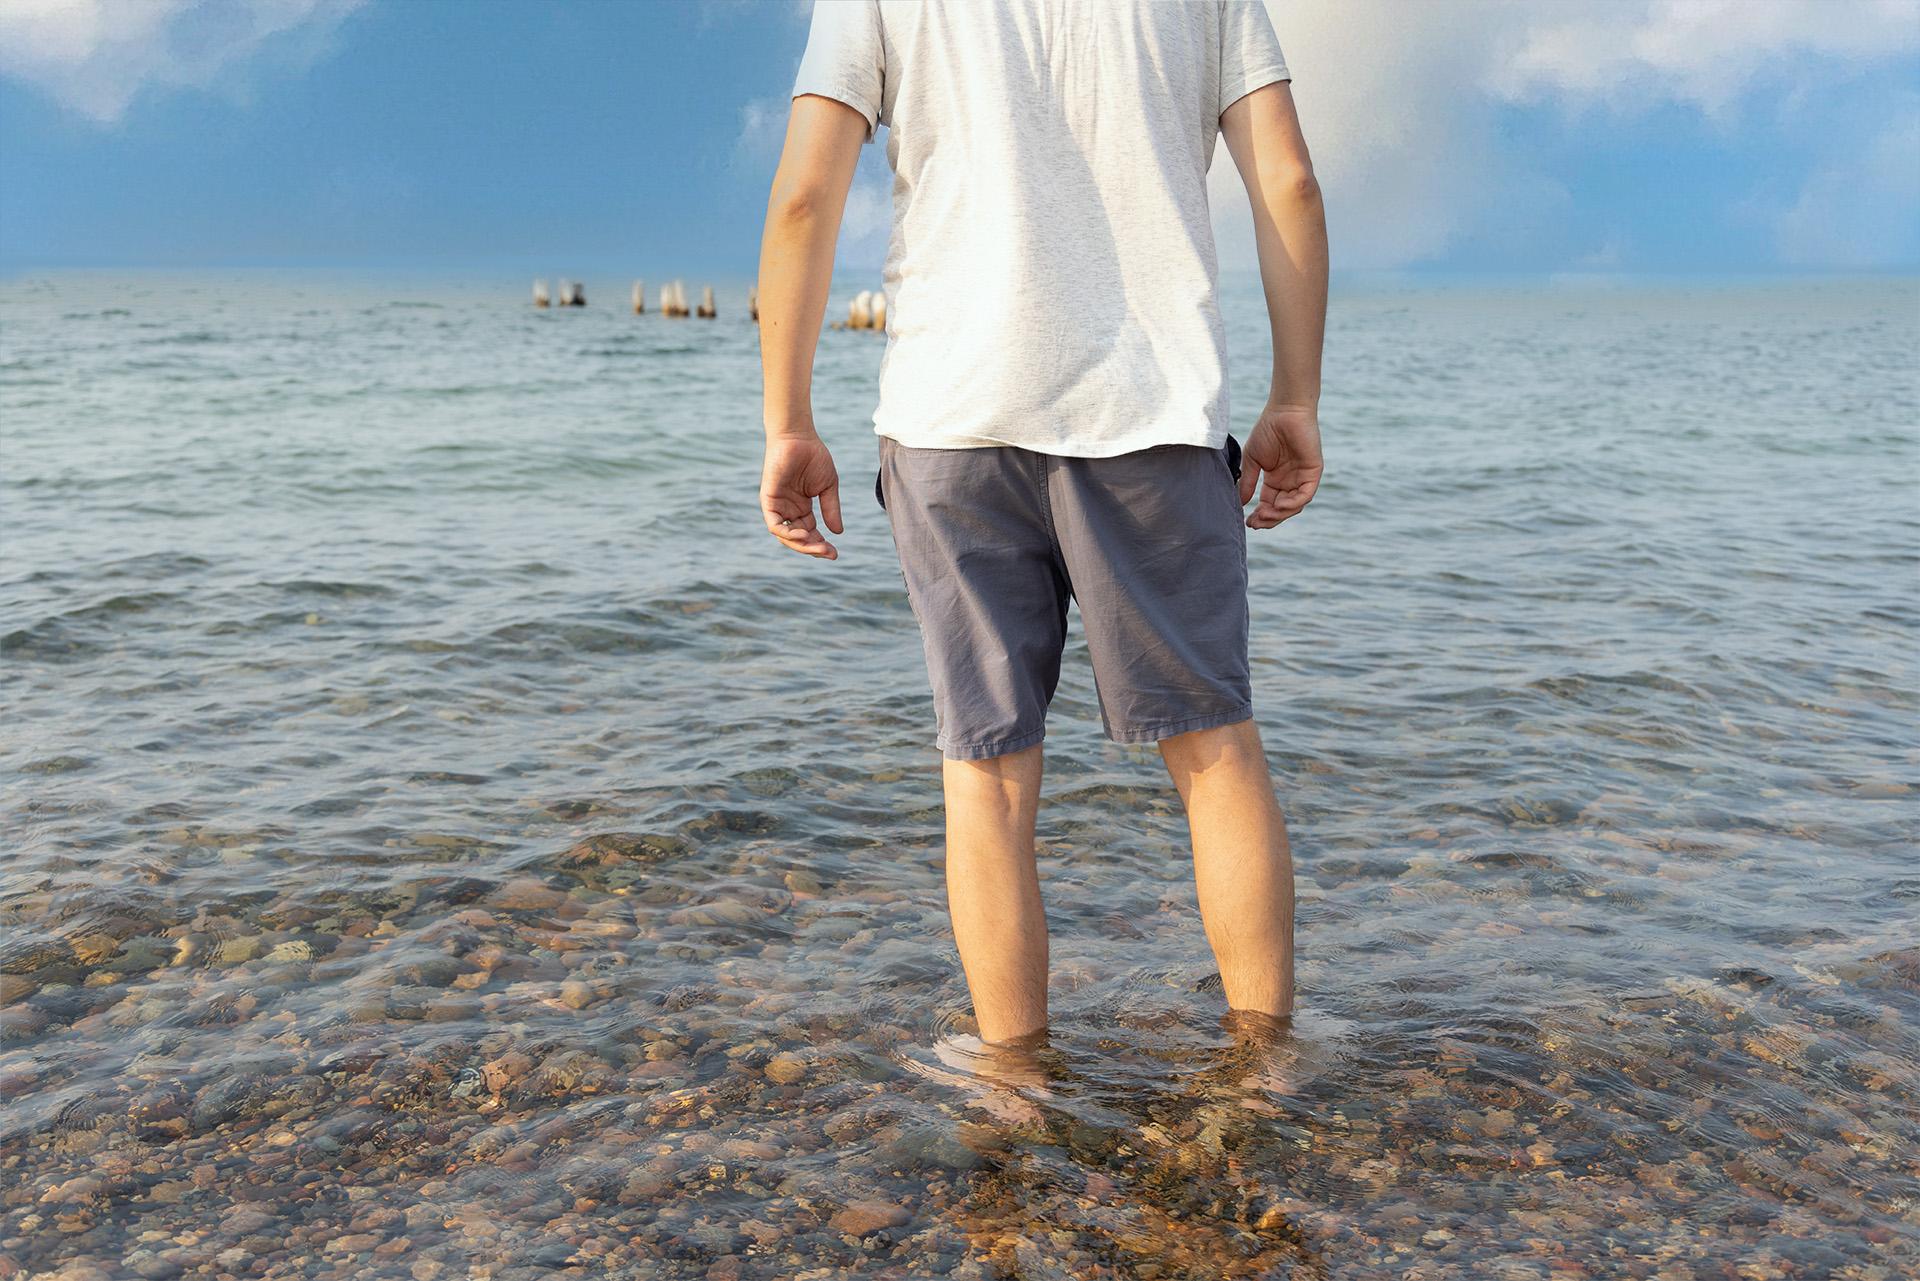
x: 1271, y: 513
x: 795, y: 532
x: 1267, y: 518
x: 1270, y: 490
x: 782, y: 513
x: 1292, y: 500
x: 790, y: 529
x: 807, y: 542
x: 1249, y: 479
x: 1285, y: 500
x: 830, y: 507
x: 1283, y: 487
x: 1272, y: 503
x: 819, y: 548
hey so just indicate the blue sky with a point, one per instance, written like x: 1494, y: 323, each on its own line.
x: 1660, y: 136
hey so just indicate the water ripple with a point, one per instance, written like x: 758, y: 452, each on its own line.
x: 445, y: 837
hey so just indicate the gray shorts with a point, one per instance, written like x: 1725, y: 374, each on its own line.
x: 1152, y: 545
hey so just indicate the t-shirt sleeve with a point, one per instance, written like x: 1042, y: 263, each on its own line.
x: 845, y: 58
x: 1249, y: 51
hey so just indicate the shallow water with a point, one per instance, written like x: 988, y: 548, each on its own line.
x: 446, y: 838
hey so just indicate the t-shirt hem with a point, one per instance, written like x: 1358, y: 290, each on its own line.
x: 843, y: 93
x: 1272, y: 73
x: 1206, y: 438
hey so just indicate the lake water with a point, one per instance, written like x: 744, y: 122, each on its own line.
x: 446, y: 837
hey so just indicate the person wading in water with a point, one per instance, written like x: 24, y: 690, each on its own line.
x: 1053, y: 418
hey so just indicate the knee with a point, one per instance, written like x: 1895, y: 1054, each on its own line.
x: 1234, y: 747
x: 1007, y: 765
x: 1009, y: 781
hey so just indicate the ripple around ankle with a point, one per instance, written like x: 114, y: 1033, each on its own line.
x: 985, y: 1080
x: 1283, y: 1056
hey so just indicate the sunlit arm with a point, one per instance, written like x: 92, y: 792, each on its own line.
x: 1290, y: 232
x: 796, y: 251
x: 796, y: 269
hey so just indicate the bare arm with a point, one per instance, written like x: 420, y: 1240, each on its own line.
x: 796, y: 267
x: 1290, y: 232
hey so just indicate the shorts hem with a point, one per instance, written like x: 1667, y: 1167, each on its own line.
x: 1167, y: 729
x: 982, y: 751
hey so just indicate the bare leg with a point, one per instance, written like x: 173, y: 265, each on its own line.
x: 993, y: 891
x: 1242, y: 867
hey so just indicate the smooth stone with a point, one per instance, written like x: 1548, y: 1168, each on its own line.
x: 525, y: 894
x: 452, y: 1009
x: 862, y: 1217
x: 153, y: 1267
x: 785, y: 1068
x: 432, y: 971
x: 505, y: 1071
x: 83, y: 1188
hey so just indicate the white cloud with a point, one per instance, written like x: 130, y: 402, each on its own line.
x: 1400, y: 100
x: 868, y: 219
x: 763, y: 128
x: 96, y: 56
x: 1704, y: 53
x: 1858, y: 210
x: 1402, y: 140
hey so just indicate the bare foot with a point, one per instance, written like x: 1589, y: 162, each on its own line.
x: 1284, y: 1056
x: 995, y: 1075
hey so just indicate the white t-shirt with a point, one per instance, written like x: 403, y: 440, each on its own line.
x: 1050, y: 278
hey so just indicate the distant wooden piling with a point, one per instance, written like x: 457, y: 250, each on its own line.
x: 673, y: 299
x: 576, y: 295
x: 639, y: 297
x: 707, y: 310
x: 753, y: 303
x: 540, y: 297
x: 867, y: 310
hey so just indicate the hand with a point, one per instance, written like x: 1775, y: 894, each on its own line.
x: 797, y: 470
x: 1285, y: 444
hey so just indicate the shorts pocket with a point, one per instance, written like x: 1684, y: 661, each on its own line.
x: 878, y: 496
x: 1233, y: 456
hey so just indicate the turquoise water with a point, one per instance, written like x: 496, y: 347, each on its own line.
x: 446, y: 837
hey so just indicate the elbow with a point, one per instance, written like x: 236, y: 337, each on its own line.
x: 1286, y: 192
x: 1300, y: 188
x: 796, y: 204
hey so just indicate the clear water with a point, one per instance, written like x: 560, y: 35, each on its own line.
x: 446, y: 837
